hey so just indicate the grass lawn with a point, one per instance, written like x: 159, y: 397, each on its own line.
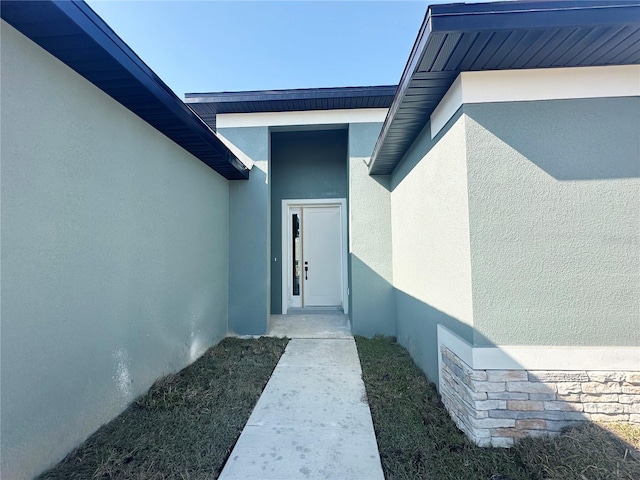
x: 418, y: 440
x: 186, y: 425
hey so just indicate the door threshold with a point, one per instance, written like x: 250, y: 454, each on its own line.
x: 315, y: 311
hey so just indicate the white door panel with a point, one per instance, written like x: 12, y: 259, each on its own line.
x: 322, y: 256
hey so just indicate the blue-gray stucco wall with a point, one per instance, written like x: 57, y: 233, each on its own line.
x: 554, y: 209
x: 304, y: 165
x: 114, y: 257
x: 249, y: 231
x: 308, y: 164
x: 526, y: 216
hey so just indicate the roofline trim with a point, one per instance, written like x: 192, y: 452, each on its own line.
x: 564, y: 83
x: 415, y: 58
x: 99, y: 31
x: 304, y: 117
x: 290, y: 94
x: 460, y: 17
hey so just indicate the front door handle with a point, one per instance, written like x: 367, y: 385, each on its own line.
x: 306, y: 270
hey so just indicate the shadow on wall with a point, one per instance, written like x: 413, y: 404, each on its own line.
x: 417, y: 331
x: 579, y: 139
x: 495, y: 406
x: 371, y: 301
x: 378, y: 308
x: 388, y: 311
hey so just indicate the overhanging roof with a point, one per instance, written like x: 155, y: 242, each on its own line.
x: 208, y: 105
x: 498, y: 36
x: 75, y: 34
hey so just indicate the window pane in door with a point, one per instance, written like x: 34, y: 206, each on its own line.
x: 297, y: 253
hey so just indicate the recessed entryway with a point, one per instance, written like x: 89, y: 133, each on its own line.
x: 314, y: 253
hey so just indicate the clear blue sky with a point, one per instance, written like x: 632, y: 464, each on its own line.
x: 210, y: 46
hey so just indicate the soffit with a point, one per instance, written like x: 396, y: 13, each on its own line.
x: 499, y: 36
x: 208, y: 105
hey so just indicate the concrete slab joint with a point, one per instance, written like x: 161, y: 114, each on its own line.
x: 497, y: 407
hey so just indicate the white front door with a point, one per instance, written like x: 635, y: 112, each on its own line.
x: 321, y: 254
x: 314, y: 254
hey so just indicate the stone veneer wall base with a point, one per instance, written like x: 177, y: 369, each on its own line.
x: 497, y: 407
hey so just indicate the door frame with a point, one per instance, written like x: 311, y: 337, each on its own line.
x: 287, y: 247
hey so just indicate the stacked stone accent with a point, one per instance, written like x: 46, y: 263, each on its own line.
x: 497, y: 407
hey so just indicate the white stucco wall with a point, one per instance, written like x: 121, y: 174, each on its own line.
x: 430, y: 238
x: 114, y: 257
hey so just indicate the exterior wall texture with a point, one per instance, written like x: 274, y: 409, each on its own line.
x: 554, y: 210
x: 431, y: 251
x: 517, y: 225
x: 114, y: 257
x: 249, y: 229
x: 304, y: 165
x: 250, y: 223
x: 370, y: 261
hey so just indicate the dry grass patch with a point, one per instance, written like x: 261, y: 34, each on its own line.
x: 186, y: 425
x: 592, y: 451
x: 418, y: 440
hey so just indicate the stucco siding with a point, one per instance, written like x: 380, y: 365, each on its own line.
x: 304, y: 165
x: 371, y: 289
x: 114, y: 257
x: 431, y: 249
x: 555, y: 221
x: 249, y: 229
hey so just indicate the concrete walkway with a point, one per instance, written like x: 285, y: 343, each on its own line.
x: 312, y: 420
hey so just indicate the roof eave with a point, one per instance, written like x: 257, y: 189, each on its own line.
x: 415, y: 59
x: 479, y: 17
x: 456, y: 20
x: 22, y: 16
x: 289, y: 94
